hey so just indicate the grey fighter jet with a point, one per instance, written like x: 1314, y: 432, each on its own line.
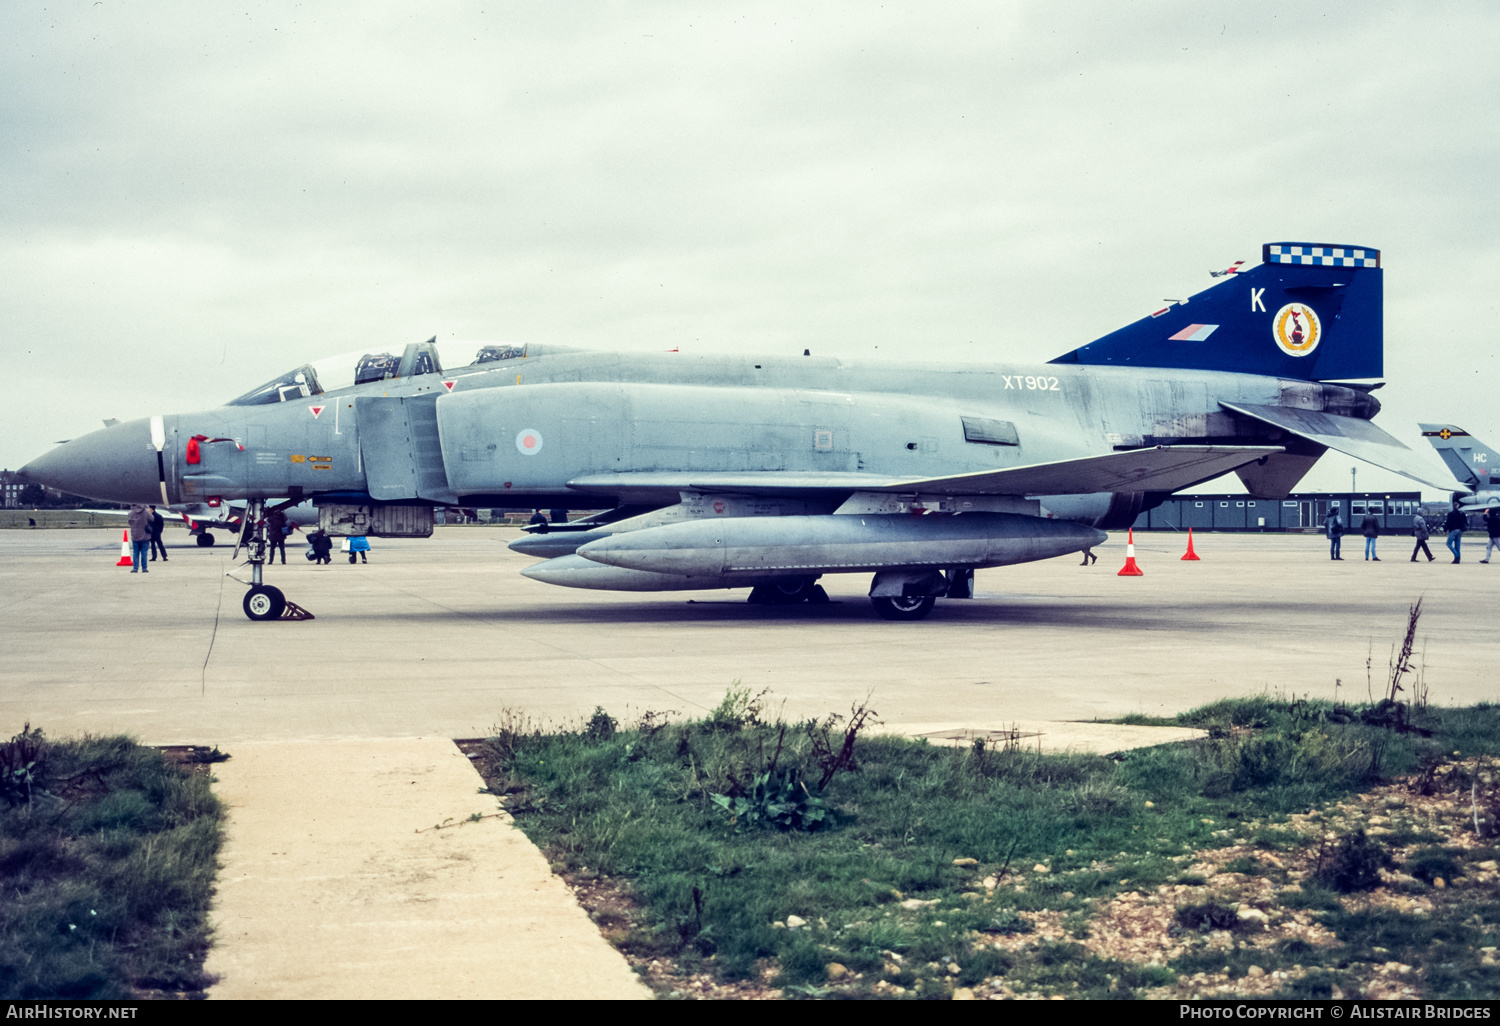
x: 1473, y: 462
x: 769, y: 472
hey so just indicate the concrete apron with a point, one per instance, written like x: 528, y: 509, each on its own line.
x: 1051, y: 737
x: 336, y: 884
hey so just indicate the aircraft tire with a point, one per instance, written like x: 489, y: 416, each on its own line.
x: 205, y: 540
x: 263, y: 602
x: 915, y: 608
x: 784, y: 593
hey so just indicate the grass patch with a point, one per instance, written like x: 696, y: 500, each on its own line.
x: 931, y: 868
x: 107, y: 855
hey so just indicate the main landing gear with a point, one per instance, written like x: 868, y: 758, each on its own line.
x: 910, y: 595
x: 788, y: 591
x: 262, y: 601
x: 205, y: 540
x: 903, y: 607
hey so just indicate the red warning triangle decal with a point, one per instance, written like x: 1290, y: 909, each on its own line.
x: 316, y: 410
x: 449, y: 385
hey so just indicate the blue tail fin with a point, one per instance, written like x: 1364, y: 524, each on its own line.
x: 1308, y: 311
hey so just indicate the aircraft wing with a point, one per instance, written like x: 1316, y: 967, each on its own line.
x: 1161, y: 469
x: 658, y: 487
x: 1351, y: 436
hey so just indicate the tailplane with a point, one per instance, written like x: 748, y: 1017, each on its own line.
x: 1470, y: 460
x: 1308, y: 311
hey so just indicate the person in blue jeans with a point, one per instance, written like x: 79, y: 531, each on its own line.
x: 140, y: 537
x: 1370, y: 528
x: 1455, y: 525
x: 1334, y: 525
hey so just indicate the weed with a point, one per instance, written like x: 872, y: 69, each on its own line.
x: 1208, y: 916
x: 601, y: 725
x: 738, y: 709
x: 776, y: 798
x: 22, y: 764
x: 1353, y: 864
x: 829, y: 760
x: 1432, y: 863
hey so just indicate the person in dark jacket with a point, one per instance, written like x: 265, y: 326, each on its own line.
x: 1334, y: 525
x: 1420, y: 532
x: 140, y: 537
x: 1492, y: 528
x: 275, y: 535
x: 1455, y: 525
x: 158, y: 524
x: 1370, y: 528
x: 322, y: 547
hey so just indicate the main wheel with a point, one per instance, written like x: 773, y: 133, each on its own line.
x: 903, y: 608
x: 263, y: 602
x: 205, y: 540
x: 786, y: 592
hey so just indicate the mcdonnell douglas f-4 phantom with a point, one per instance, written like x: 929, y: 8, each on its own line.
x: 768, y: 472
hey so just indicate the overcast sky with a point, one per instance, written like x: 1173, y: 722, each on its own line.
x: 195, y: 196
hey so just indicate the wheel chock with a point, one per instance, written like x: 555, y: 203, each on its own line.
x: 295, y: 612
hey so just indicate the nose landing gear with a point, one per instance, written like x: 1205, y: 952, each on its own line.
x: 262, y: 601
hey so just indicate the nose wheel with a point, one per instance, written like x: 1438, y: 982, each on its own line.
x: 264, y: 602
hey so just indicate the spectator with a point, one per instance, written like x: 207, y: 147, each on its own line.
x: 1455, y: 525
x: 1420, y: 532
x: 140, y: 537
x: 158, y: 524
x: 1334, y: 525
x: 321, y: 546
x: 1370, y: 528
x: 275, y: 535
x: 1491, y: 528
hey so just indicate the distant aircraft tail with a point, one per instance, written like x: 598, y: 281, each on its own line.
x: 1470, y: 460
x: 1309, y: 311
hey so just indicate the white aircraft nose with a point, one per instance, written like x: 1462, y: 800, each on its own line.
x: 115, y: 464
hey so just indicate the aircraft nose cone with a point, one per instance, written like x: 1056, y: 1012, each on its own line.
x: 114, y: 464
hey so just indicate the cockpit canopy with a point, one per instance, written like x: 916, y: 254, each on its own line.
x: 361, y: 368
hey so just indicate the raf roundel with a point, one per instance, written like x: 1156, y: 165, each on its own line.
x: 529, y: 442
x: 1297, y: 329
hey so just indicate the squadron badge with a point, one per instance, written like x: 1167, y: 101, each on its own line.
x: 1297, y: 329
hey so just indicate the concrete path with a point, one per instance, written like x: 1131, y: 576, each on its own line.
x: 337, y: 883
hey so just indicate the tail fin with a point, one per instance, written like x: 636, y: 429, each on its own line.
x: 1309, y: 311
x: 1471, y: 461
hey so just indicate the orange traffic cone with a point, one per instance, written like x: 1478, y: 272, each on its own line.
x: 126, y: 559
x: 1190, y: 553
x: 1131, y: 570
